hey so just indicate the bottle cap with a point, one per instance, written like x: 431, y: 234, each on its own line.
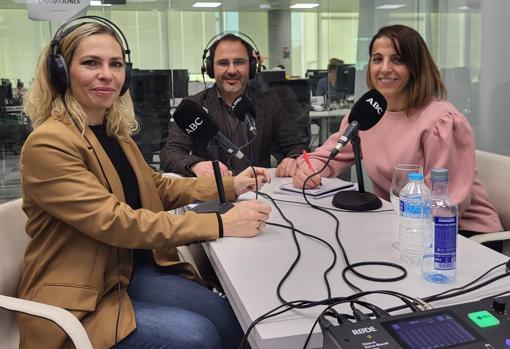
x: 415, y: 176
x: 439, y: 174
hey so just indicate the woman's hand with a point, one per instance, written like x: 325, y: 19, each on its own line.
x: 245, y: 181
x: 246, y: 219
x: 302, y: 174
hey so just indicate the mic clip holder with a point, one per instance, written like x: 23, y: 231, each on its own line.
x: 221, y: 205
x: 357, y: 200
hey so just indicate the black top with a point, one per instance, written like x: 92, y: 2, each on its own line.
x: 121, y: 164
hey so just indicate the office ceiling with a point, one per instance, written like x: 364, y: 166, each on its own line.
x: 227, y: 5
x: 255, y: 5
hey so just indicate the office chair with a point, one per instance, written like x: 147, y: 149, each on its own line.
x: 493, y: 170
x: 12, y: 247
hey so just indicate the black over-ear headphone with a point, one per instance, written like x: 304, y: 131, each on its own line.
x: 57, y: 66
x: 208, y: 55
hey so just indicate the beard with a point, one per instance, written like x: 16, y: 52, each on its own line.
x: 237, y: 87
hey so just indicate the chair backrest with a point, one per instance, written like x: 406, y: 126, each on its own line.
x: 493, y: 170
x: 13, y: 241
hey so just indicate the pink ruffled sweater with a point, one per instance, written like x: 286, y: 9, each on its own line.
x: 437, y: 136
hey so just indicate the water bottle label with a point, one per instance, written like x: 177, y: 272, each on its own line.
x: 445, y: 242
x: 411, y: 209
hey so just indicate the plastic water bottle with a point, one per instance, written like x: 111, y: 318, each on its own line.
x: 414, y: 219
x: 440, y: 243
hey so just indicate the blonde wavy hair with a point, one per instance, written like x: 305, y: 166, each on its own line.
x: 43, y: 100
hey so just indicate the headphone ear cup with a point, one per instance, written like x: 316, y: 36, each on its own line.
x: 253, y: 68
x: 59, y: 73
x: 127, y: 79
x: 209, y: 66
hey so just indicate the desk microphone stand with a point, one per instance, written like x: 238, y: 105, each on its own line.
x: 221, y: 205
x: 357, y: 200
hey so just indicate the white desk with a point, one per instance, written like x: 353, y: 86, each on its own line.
x: 250, y: 269
x: 323, y: 117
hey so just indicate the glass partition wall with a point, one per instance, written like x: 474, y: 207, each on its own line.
x: 170, y: 36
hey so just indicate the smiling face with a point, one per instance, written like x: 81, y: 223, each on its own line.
x: 97, y: 74
x: 231, y: 68
x: 388, y: 74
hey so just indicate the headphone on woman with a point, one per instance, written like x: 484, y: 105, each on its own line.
x: 57, y: 66
x: 208, y: 55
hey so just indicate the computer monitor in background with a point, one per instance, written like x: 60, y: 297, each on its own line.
x: 7, y: 86
x: 312, y: 72
x: 151, y: 95
x: 264, y: 77
x: 313, y: 80
x: 345, y: 79
x: 179, y: 83
x: 3, y: 95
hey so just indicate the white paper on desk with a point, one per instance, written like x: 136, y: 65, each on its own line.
x: 328, y: 188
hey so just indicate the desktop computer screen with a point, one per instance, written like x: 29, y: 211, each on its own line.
x: 264, y: 77
x: 179, y: 83
x: 313, y: 80
x: 312, y: 72
x: 156, y: 86
x: 345, y: 79
x: 6, y: 90
x: 298, y: 87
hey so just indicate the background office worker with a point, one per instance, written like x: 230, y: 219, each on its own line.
x: 231, y: 62
x: 419, y: 127
x: 96, y: 210
x: 326, y: 86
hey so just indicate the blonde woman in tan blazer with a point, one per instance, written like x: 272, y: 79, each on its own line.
x: 102, y: 244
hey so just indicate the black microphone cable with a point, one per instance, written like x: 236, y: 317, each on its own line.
x: 294, y: 230
x: 351, y: 267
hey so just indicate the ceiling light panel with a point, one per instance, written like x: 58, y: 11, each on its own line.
x: 304, y: 6
x: 207, y: 4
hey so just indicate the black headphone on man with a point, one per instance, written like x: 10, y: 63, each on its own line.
x: 208, y: 55
x: 57, y: 66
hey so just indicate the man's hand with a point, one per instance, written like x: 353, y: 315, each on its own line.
x: 204, y: 168
x: 245, y: 181
x: 286, y: 168
x: 246, y: 219
x: 302, y: 173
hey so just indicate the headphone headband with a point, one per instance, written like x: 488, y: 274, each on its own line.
x: 57, y: 66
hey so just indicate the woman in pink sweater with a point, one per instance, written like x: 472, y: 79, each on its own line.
x: 419, y: 127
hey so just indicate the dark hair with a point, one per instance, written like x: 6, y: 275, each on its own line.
x: 425, y: 81
x: 332, y: 67
x: 230, y: 37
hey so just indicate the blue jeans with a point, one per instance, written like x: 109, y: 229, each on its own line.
x: 174, y: 312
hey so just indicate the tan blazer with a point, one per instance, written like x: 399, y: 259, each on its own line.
x: 77, y: 226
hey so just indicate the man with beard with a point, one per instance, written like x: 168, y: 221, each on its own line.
x: 232, y: 61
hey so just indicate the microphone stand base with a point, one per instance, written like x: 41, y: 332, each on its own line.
x: 355, y: 201
x: 212, y: 206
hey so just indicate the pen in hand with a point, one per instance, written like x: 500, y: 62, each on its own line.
x: 309, y: 163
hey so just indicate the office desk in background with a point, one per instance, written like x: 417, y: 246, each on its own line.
x: 324, y: 118
x: 250, y: 269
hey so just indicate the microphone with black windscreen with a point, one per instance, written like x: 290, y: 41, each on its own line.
x: 243, y: 110
x: 195, y: 121
x: 365, y: 113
